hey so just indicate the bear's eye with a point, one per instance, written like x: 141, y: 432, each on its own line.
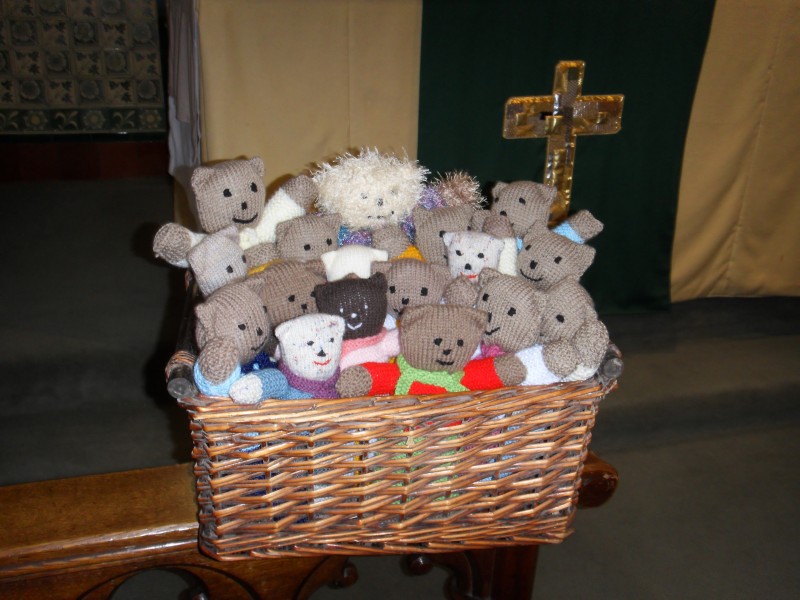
x: 423, y: 292
x: 253, y: 187
x: 459, y: 253
x: 307, y: 247
x: 291, y: 298
x: 329, y: 241
x: 244, y: 259
x: 441, y: 233
x: 227, y: 193
x: 522, y: 201
x: 485, y: 297
x: 459, y: 343
x: 311, y: 343
x: 504, y: 213
x: 331, y: 340
x: 528, y: 247
x: 438, y: 341
x: 511, y: 311
x: 363, y: 196
x: 265, y: 309
x: 242, y: 326
x: 229, y: 269
x: 557, y: 259
x: 560, y: 318
x: 480, y: 254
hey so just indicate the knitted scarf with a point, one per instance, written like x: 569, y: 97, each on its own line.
x: 450, y: 382
x: 317, y: 389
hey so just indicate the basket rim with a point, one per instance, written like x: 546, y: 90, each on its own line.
x: 369, y: 408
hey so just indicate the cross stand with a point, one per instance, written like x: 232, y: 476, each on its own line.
x: 561, y: 118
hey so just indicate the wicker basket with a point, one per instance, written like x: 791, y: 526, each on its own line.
x: 392, y: 474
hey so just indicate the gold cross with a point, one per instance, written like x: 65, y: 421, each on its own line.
x: 561, y: 118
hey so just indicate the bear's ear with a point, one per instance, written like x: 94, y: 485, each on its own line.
x: 334, y: 220
x: 448, y: 238
x: 282, y: 230
x: 316, y: 267
x: 478, y: 318
x: 200, y: 177
x: 258, y: 165
x: 257, y: 284
x: 497, y: 188
x: 382, y: 266
x: 231, y: 232
x: 378, y: 281
x: 282, y: 329
x: 487, y: 275
x: 441, y: 273
x: 537, y: 228
x: 322, y: 296
x: 420, y: 215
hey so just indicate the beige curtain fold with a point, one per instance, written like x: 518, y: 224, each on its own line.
x: 739, y: 204
x: 297, y: 82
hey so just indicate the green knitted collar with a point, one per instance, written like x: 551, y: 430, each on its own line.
x: 409, y: 375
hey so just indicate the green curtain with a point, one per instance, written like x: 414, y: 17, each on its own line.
x: 476, y: 54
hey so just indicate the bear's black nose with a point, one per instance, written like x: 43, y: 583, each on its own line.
x: 490, y: 317
x: 533, y: 264
x: 468, y: 267
x: 404, y: 301
x: 447, y: 352
x: 259, y: 331
x: 321, y: 353
x: 244, y: 205
x: 304, y: 307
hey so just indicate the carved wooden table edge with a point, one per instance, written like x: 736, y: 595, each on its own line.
x: 83, y: 537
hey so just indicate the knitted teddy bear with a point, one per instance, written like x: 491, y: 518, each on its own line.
x: 310, y: 349
x: 307, y: 237
x: 370, y: 191
x: 289, y: 288
x: 431, y: 225
x: 232, y: 328
x: 523, y: 202
x: 362, y: 305
x: 353, y: 259
x: 548, y: 256
x: 436, y: 344
x: 573, y: 339
x: 515, y: 312
x: 469, y: 252
x: 410, y: 283
x: 232, y: 193
x: 217, y: 260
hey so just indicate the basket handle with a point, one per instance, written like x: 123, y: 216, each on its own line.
x: 179, y: 369
x: 611, y: 367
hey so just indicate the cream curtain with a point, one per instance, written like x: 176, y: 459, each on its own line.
x: 738, y: 219
x: 298, y: 82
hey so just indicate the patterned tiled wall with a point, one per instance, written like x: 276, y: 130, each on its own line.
x: 80, y: 66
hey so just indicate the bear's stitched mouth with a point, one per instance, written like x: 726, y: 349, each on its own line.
x: 354, y: 327
x: 468, y: 276
x: 529, y: 277
x: 446, y: 363
x: 491, y: 331
x: 245, y: 221
x: 322, y: 364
